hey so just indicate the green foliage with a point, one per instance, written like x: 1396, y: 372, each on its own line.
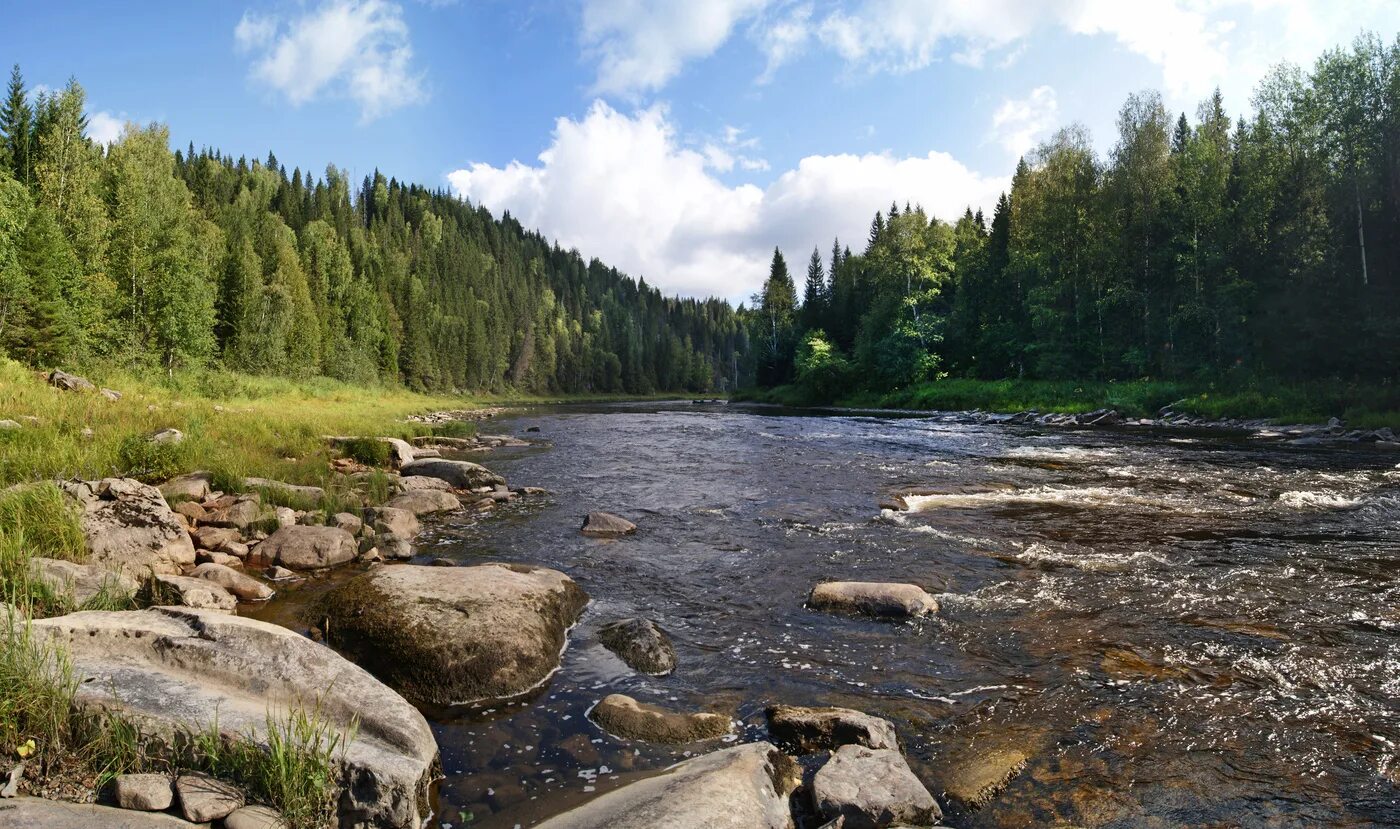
x: 46, y: 519
x: 368, y: 451
x: 149, y: 461
x: 296, y: 772
x: 36, y: 693
x: 822, y: 371
x: 455, y: 429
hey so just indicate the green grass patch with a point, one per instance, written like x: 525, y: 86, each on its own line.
x: 368, y: 451
x: 455, y: 429
x: 149, y: 461
x: 46, y: 519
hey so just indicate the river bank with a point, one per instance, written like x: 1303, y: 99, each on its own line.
x: 1358, y: 406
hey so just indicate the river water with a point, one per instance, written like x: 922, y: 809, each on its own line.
x: 1174, y: 628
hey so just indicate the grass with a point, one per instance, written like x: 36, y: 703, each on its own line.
x: 455, y: 429
x: 1364, y: 406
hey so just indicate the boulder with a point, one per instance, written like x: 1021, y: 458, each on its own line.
x: 215, y: 538
x: 202, y: 798
x: 69, y: 382
x: 460, y: 474
x: 870, y: 788
x: 309, y: 496
x: 240, y: 512
x: 172, y: 671
x: 808, y: 730
x: 625, y: 717
x: 243, y: 586
x: 400, y: 452
x: 424, y: 502
x: 129, y: 527
x: 255, y: 817
x: 641, y: 643
x: 170, y: 436
x: 193, y: 512
x: 607, y: 525
x: 452, y: 635
x: 349, y: 522
x: 111, y: 394
x: 33, y: 813
x: 143, y: 792
x: 286, y: 516
x: 81, y: 583
x: 226, y: 559
x: 275, y: 573
x: 414, y: 483
x: 390, y: 546
x: 309, y: 548
x: 9, y: 425
x: 396, y: 521
x: 745, y: 787
x: 189, y: 592
x: 883, y: 599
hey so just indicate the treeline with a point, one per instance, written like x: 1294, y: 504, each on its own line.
x: 1200, y: 249
x: 138, y: 255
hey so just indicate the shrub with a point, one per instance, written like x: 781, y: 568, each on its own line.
x: 148, y: 461
x: 368, y: 451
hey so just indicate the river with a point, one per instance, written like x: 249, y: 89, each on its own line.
x: 1173, y: 628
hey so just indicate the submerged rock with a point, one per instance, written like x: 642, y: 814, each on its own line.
x: 623, y: 716
x: 744, y: 787
x: 807, y: 730
x: 129, y: 527
x: 641, y: 643
x: 883, y: 599
x: 872, y: 788
x: 172, y: 671
x: 460, y: 474
x: 982, y: 774
x: 309, y: 548
x: 451, y: 635
x: 607, y: 525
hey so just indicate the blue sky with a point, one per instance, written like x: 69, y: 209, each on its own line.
x: 679, y: 141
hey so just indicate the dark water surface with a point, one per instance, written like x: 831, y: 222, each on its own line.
x: 1177, y: 629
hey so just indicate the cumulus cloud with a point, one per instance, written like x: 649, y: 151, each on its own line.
x: 623, y: 188
x: 639, y: 45
x: 1019, y: 123
x: 356, y: 49
x: 104, y: 128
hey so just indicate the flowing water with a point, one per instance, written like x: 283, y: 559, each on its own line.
x: 1173, y: 629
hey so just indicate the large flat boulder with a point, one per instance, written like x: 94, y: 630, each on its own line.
x: 451, y: 635
x: 309, y: 548
x: 887, y: 600
x: 744, y: 787
x: 129, y: 527
x: 33, y: 813
x: 194, y: 486
x: 237, y: 511
x: 173, y: 671
x: 460, y: 474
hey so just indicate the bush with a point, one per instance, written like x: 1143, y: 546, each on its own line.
x: 147, y: 461
x: 822, y: 371
x: 368, y: 451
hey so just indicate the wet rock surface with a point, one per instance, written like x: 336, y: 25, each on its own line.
x: 881, y: 599
x: 805, y: 730
x: 641, y: 643
x: 625, y: 717
x: 872, y: 788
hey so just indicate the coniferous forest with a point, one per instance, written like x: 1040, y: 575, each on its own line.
x: 1204, y: 247
x: 137, y: 256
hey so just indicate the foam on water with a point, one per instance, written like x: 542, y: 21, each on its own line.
x: 1318, y: 500
x: 1038, y: 553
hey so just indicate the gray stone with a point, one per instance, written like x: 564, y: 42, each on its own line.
x: 215, y: 538
x: 349, y: 522
x: 190, y: 592
x: 286, y: 516
x: 276, y: 573
x: 255, y: 817
x: 424, y: 502
x: 872, y: 788
x: 81, y: 583
x: 453, y: 635
x: 111, y: 394
x: 69, y: 382
x: 401, y: 453
x: 623, y: 716
x: 202, y: 798
x: 33, y: 813
x: 242, y: 512
x: 883, y: 599
x: 243, y: 586
x: 171, y: 671
x: 309, y: 548
x: 9, y: 425
x: 168, y: 436
x: 143, y: 792
x: 641, y: 643
x: 396, y: 521
x: 744, y: 787
x: 808, y: 730
x: 607, y: 525
x: 310, y: 496
x: 129, y: 527
x: 460, y: 474
x: 415, y: 483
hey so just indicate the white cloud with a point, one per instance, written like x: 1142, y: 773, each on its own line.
x: 1019, y: 123
x: 357, y: 49
x: 104, y: 128
x: 622, y: 188
x: 639, y: 45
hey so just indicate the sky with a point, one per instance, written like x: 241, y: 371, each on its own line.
x: 679, y: 141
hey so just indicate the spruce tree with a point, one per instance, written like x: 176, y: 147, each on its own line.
x: 814, y: 294
x: 17, y: 130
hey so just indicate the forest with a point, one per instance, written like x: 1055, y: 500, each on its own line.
x: 139, y: 257
x: 1202, y: 249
